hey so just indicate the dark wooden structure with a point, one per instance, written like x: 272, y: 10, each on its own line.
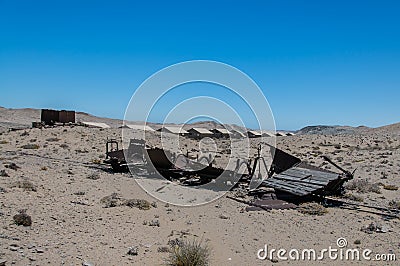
x: 50, y: 117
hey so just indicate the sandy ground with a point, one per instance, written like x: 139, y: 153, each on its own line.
x: 71, y: 226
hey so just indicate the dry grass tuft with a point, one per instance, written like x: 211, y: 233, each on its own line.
x: 30, y: 146
x: 22, y: 218
x: 390, y: 187
x: 25, y: 184
x: 353, y: 197
x: 363, y: 186
x: 312, y: 208
x: 189, y: 253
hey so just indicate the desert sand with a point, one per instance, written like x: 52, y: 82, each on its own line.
x: 60, y: 182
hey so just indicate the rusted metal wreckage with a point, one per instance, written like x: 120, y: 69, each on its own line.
x: 287, y: 174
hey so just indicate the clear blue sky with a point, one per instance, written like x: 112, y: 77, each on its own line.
x: 318, y: 62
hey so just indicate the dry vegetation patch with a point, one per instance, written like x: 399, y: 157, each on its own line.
x: 312, y: 208
x: 363, y: 186
x: 189, y: 253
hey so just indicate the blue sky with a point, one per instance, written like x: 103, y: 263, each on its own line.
x: 317, y: 62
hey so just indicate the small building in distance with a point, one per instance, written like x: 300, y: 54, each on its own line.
x: 173, y: 130
x: 254, y: 134
x: 280, y: 134
x: 237, y: 134
x: 138, y: 127
x: 198, y: 133
x: 266, y: 133
x: 50, y: 117
x: 220, y: 132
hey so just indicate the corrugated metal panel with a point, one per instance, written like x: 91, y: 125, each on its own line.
x: 301, y: 181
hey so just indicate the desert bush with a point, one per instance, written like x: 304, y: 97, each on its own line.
x: 112, y: 200
x: 163, y: 249
x: 3, y: 142
x: 96, y: 161
x: 43, y: 168
x: 363, y: 186
x: 94, y: 176
x: 137, y: 203
x: 30, y: 146
x: 351, y: 196
x: 22, y: 218
x: 312, y: 208
x: 52, y: 139
x: 64, y: 146
x: 394, y: 204
x: 25, y: 185
x: 81, y: 151
x: 12, y: 166
x: 189, y: 253
x: 390, y: 187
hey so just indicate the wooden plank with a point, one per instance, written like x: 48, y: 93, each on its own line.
x: 302, y: 181
x: 291, y: 187
x: 296, y: 184
x: 304, y: 172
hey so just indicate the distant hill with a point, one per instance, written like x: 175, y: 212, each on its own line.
x: 20, y: 118
x: 334, y: 130
x: 326, y: 130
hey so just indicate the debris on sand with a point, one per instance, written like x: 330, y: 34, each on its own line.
x: 374, y: 227
x: 22, y: 218
x: 133, y: 251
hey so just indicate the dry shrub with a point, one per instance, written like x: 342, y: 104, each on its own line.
x: 64, y: 146
x: 312, y: 208
x: 390, y: 187
x: 351, y: 196
x: 394, y: 204
x: 53, y: 139
x: 363, y: 186
x: 94, y: 176
x: 112, y: 200
x: 30, y: 146
x: 25, y: 184
x: 3, y: 142
x: 137, y: 203
x: 22, y: 218
x: 115, y: 200
x: 189, y: 253
x: 96, y: 161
